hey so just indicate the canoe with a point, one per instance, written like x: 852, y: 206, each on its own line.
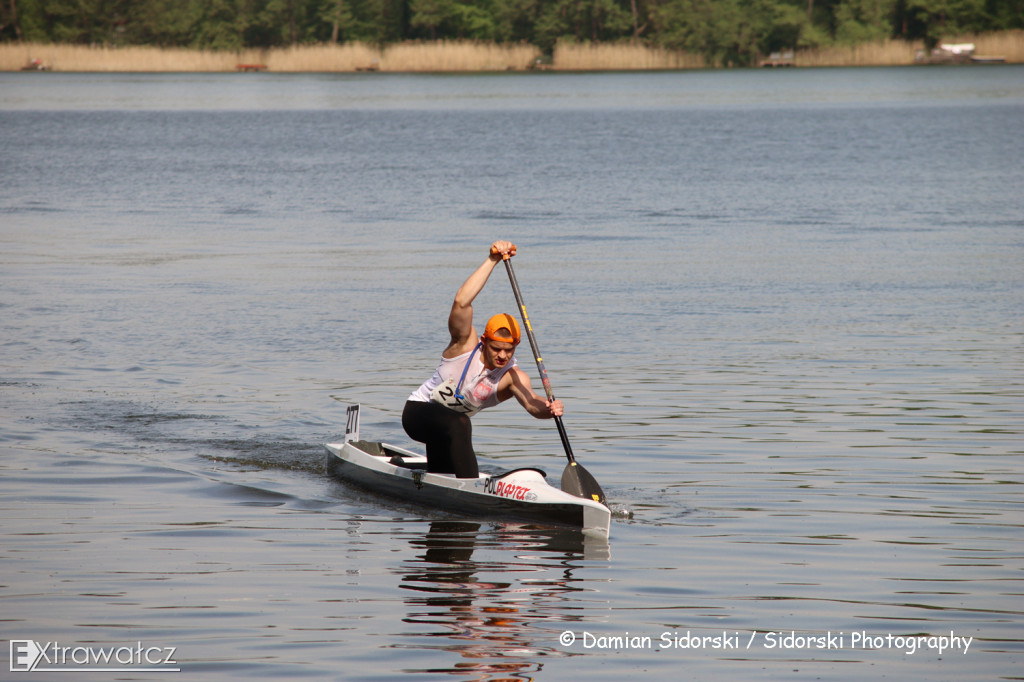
x: 520, y: 494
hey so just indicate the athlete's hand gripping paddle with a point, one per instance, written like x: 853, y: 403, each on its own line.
x: 575, y: 479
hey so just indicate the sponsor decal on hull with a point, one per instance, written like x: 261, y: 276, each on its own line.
x: 509, y: 490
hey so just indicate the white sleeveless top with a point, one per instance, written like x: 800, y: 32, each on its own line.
x: 479, y: 387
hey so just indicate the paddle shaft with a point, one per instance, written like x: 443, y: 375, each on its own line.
x: 536, y: 354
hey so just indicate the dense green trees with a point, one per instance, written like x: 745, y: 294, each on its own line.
x: 724, y: 31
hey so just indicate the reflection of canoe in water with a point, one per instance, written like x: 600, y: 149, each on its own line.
x: 522, y: 494
x: 473, y: 615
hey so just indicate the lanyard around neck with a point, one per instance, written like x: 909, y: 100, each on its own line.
x: 458, y: 389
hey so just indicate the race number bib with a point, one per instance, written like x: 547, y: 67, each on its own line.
x: 445, y: 394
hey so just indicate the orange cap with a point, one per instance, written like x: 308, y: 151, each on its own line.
x: 502, y: 321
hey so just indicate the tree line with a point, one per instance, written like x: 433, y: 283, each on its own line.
x: 723, y: 31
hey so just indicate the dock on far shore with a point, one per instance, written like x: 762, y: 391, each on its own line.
x: 778, y: 59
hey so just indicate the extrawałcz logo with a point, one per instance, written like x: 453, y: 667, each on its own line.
x: 52, y: 657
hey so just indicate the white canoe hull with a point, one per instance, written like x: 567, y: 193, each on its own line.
x: 523, y: 494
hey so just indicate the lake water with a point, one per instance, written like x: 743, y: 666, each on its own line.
x: 784, y: 310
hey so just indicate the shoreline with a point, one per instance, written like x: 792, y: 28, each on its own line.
x: 461, y: 57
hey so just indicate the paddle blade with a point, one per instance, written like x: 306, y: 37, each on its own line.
x: 577, y: 481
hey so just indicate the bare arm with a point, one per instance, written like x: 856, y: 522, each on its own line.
x: 537, y: 405
x: 460, y: 320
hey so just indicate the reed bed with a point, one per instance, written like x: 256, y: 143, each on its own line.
x: 882, y: 53
x: 620, y: 57
x: 323, y: 58
x: 1009, y: 44
x: 456, y: 56
x: 14, y: 56
x: 402, y: 57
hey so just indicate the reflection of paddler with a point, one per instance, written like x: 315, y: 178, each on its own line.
x: 476, y: 371
x: 492, y: 640
x: 449, y: 546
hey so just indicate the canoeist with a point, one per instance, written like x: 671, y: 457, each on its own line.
x: 476, y: 371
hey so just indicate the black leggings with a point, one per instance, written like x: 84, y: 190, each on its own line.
x: 448, y: 435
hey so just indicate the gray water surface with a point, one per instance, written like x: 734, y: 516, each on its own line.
x: 784, y: 312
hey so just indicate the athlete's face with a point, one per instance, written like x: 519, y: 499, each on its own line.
x: 497, y: 354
